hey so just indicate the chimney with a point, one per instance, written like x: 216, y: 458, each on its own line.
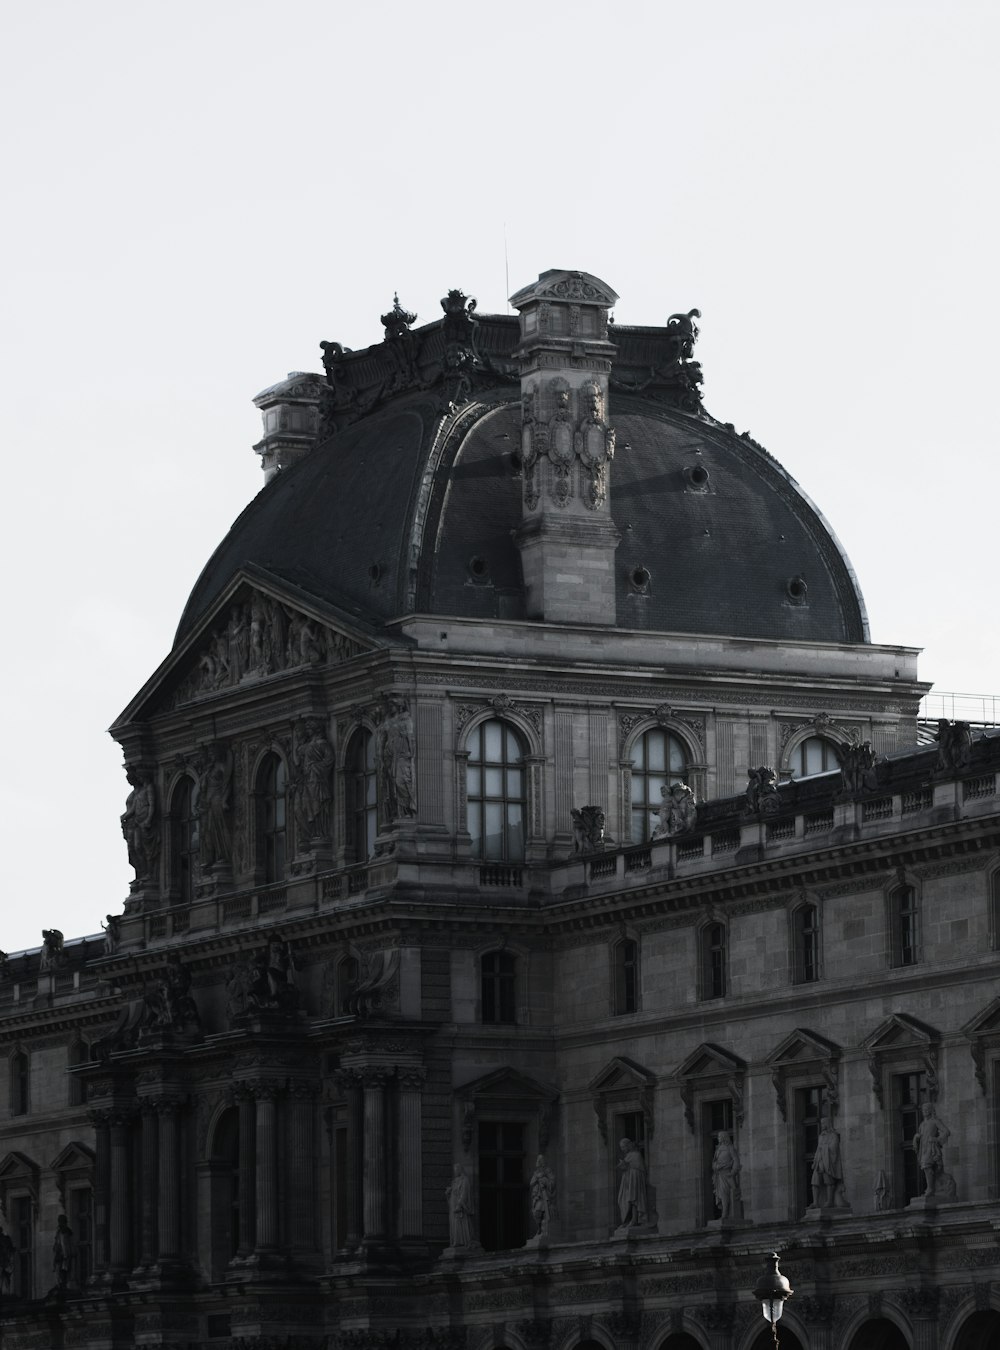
x: 567, y: 537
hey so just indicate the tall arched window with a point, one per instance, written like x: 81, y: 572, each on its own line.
x: 271, y: 808
x: 813, y: 755
x: 496, y: 800
x: 362, y: 795
x: 184, y: 839
x: 658, y: 759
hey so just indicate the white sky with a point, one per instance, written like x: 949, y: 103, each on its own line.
x: 198, y: 192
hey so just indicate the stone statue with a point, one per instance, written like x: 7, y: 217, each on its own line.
x: 683, y: 333
x: 928, y: 1144
x: 314, y: 760
x: 263, y: 984
x: 762, y: 791
x: 139, y: 825
x: 215, y: 781
x: 827, y: 1177
x: 282, y: 993
x: 883, y: 1193
x: 726, y: 1169
x: 460, y: 1211
x: 171, y: 1007
x: 7, y: 1255
x: 857, y: 766
x: 238, y: 637
x: 588, y: 829
x: 542, y: 1189
x: 954, y: 745
x: 52, y: 949
x: 112, y: 934
x: 633, y: 1201
x: 394, y: 753
x: 678, y: 811
x: 63, y: 1253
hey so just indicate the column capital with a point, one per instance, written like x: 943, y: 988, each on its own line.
x: 375, y: 1075
x: 412, y: 1079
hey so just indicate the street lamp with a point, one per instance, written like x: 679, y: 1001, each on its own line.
x: 772, y: 1289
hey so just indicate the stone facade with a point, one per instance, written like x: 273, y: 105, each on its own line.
x: 435, y: 1016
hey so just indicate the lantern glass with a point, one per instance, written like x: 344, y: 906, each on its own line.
x: 772, y: 1309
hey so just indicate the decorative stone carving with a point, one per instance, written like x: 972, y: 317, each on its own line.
x: 461, y: 359
x: 857, y: 766
x: 588, y: 829
x: 954, y: 740
x: 170, y: 1006
x: 928, y: 1144
x: 52, y: 955
x: 726, y: 1169
x: 215, y: 787
x: 633, y: 1193
x: 827, y: 1177
x: 762, y: 792
x: 377, y: 987
x: 313, y: 757
x: 263, y: 985
x: 678, y: 811
x: 542, y: 1190
x: 395, y: 752
x: 140, y: 826
x: 461, y: 1213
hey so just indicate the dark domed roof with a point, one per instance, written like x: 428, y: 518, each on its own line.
x: 410, y: 508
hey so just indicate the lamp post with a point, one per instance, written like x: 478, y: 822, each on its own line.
x: 772, y: 1289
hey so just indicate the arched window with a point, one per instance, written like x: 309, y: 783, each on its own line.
x: 496, y: 801
x: 805, y: 936
x: 20, y: 1083
x: 658, y: 759
x: 813, y: 755
x: 626, y: 975
x: 713, y: 960
x: 271, y: 808
x: 362, y: 795
x: 498, y: 973
x: 184, y: 839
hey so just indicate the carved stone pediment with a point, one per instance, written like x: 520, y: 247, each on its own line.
x: 707, y: 1067
x: 508, y: 1084
x: 622, y: 1080
x: 806, y: 1051
x: 903, y: 1036
x: 75, y: 1157
x: 17, y: 1173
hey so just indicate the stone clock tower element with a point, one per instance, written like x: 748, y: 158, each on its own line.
x: 566, y: 537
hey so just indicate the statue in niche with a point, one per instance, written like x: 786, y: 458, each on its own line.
x: 112, y: 934
x: 395, y: 752
x: 954, y: 745
x: 928, y: 1144
x: 678, y: 811
x: 169, y: 1002
x: 281, y: 992
x: 827, y: 1178
x: 7, y: 1257
x: 726, y: 1168
x: 52, y: 949
x: 762, y: 791
x: 63, y: 1253
x: 215, y: 784
x: 263, y: 984
x: 857, y: 765
x: 139, y: 825
x: 314, y: 759
x: 542, y: 1191
x: 460, y: 1211
x: 589, y: 824
x: 633, y: 1198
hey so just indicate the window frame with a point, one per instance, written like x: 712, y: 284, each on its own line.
x: 503, y: 986
x: 668, y: 776
x: 620, y: 969
x: 831, y: 761
x: 904, y: 925
x: 184, y: 839
x: 802, y: 959
x: 272, y: 819
x: 713, y: 974
x: 363, y: 805
x: 20, y: 1082
x: 477, y: 800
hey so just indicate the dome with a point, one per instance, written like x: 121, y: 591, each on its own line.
x: 408, y: 498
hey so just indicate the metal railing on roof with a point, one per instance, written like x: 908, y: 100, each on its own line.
x: 981, y: 710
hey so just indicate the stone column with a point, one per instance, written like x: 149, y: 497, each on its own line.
x: 150, y: 1142
x: 300, y: 1168
x: 350, y: 1083
x: 411, y: 1224
x: 121, y: 1193
x: 102, y: 1189
x: 248, y: 1178
x: 266, y: 1095
x: 169, y: 1214
x: 375, y: 1191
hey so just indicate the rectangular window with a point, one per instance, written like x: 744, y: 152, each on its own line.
x: 626, y: 976
x: 715, y: 1117
x: 806, y: 926
x: 713, y: 961
x: 22, y: 1234
x: 498, y: 985
x: 909, y: 1092
x: 905, y: 934
x: 503, y: 1190
x: 808, y: 1123
x: 19, y: 1083
x: 81, y: 1221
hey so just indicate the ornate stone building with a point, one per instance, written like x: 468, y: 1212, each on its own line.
x: 543, y: 907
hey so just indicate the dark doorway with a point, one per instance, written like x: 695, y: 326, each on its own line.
x: 980, y: 1332
x: 880, y: 1335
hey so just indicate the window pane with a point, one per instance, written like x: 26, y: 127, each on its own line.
x: 493, y: 814
x: 655, y: 783
x: 494, y: 782
x: 515, y: 832
x: 638, y: 789
x: 656, y: 746
x: 371, y: 789
x: 476, y: 825
x: 678, y: 763
x: 514, y: 788
x: 475, y: 781
x: 639, y: 819
x: 639, y: 754
x: 513, y: 748
x: 492, y: 735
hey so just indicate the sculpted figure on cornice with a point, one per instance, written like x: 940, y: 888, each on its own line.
x: 264, y: 984
x: 678, y: 811
x: 762, y: 791
x: 52, y: 949
x: 168, y: 999
x: 588, y: 829
x: 261, y: 637
x: 112, y: 934
x: 857, y: 766
x: 376, y: 989
x: 314, y: 761
x: 140, y: 826
x: 395, y: 752
x: 954, y: 741
x: 215, y: 794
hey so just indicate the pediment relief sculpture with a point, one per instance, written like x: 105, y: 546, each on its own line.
x: 261, y: 637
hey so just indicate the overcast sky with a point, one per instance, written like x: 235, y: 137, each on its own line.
x: 197, y: 193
